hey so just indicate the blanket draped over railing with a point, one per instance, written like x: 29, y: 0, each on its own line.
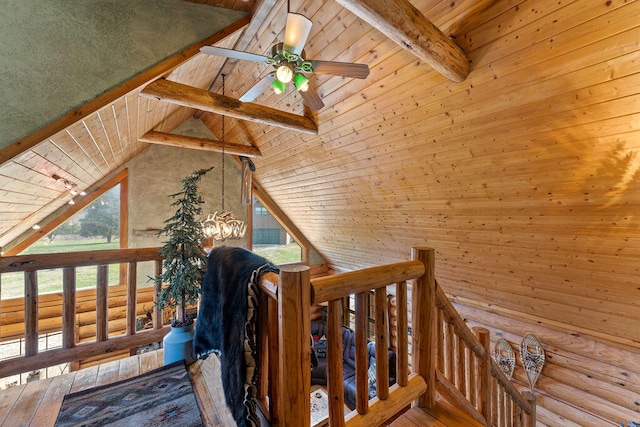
x: 226, y: 324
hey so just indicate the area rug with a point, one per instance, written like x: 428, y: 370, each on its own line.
x: 162, y: 397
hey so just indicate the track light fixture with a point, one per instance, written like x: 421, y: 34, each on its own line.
x: 71, y: 187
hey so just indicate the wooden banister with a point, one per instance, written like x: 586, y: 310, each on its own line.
x: 333, y: 287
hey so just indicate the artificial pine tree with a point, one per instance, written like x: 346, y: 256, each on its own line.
x: 184, y: 259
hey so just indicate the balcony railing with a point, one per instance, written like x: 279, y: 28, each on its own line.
x: 72, y: 349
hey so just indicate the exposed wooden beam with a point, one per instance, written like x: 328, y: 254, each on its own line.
x: 201, y: 99
x: 163, y: 138
x: 98, y: 102
x: 404, y: 24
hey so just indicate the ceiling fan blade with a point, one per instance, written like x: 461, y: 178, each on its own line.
x: 255, y: 91
x: 235, y: 54
x: 346, y: 69
x: 312, y: 99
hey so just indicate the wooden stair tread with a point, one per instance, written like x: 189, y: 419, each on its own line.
x: 441, y: 415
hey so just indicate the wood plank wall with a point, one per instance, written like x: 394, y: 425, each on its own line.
x: 523, y: 177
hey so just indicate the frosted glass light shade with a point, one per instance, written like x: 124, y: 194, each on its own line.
x: 284, y: 73
x: 296, y: 32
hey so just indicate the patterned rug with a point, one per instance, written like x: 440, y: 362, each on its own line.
x: 162, y: 397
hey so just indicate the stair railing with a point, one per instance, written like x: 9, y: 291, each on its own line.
x: 468, y: 377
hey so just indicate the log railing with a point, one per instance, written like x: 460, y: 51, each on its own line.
x: 71, y: 349
x: 467, y: 376
x: 286, y: 375
x: 447, y: 358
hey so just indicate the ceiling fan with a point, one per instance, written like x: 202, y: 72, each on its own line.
x: 290, y: 65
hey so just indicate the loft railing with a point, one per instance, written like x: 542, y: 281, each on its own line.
x: 286, y: 374
x: 72, y: 349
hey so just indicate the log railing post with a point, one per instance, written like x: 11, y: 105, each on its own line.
x: 484, y: 374
x: 402, y: 377
x: 69, y: 307
x: 294, y: 297
x: 362, y: 378
x: 334, y: 363
x: 102, y: 311
x: 382, y: 346
x: 31, y: 313
x: 132, y: 298
x: 531, y: 418
x: 158, y: 320
x: 424, y: 324
x: 274, y: 361
x: 263, y: 346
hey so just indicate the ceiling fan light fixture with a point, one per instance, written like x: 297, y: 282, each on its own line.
x: 301, y: 82
x: 278, y: 86
x: 284, y: 73
x: 296, y: 32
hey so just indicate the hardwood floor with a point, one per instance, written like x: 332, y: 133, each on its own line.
x: 37, y: 403
x: 442, y: 415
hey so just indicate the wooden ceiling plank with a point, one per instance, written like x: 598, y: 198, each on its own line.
x: 154, y: 137
x: 407, y: 26
x: 201, y: 99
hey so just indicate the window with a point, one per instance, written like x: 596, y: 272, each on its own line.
x: 270, y: 239
x: 97, y: 227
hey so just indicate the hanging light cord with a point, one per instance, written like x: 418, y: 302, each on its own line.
x: 223, y: 76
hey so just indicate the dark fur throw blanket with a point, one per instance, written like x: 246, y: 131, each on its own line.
x: 226, y: 324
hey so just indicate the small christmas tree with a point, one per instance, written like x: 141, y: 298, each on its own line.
x: 184, y: 259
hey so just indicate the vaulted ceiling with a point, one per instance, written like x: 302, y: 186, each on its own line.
x: 523, y: 176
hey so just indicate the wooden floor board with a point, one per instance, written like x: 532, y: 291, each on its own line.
x: 84, y: 378
x: 8, y: 399
x: 438, y: 416
x: 108, y: 373
x: 37, y: 403
x: 25, y: 408
x: 129, y: 367
x: 52, y: 400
